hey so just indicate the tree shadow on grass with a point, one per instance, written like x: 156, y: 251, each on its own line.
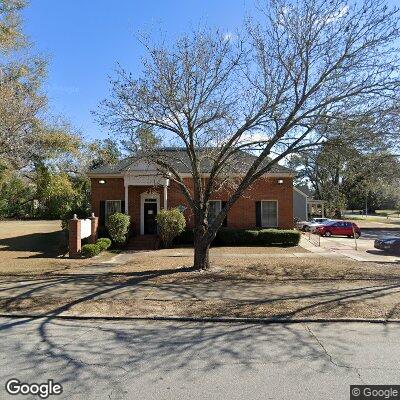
x: 46, y: 244
x: 106, y: 356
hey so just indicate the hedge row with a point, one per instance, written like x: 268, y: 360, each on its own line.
x: 94, y: 249
x: 247, y: 237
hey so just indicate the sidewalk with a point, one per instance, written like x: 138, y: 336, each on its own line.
x: 333, y: 249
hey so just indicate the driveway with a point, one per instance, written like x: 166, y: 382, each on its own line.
x: 365, y: 245
x: 172, y: 360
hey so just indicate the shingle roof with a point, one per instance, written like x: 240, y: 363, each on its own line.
x: 306, y: 190
x: 179, y: 160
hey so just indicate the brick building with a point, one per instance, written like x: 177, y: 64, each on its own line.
x: 134, y: 186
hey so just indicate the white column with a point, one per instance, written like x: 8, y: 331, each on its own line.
x: 126, y: 198
x: 322, y: 210
x: 165, y: 197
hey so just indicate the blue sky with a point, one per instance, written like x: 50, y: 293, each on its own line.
x: 84, y: 39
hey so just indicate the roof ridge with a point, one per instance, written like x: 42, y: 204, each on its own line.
x: 125, y: 163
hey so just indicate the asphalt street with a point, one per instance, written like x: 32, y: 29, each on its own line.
x: 171, y: 360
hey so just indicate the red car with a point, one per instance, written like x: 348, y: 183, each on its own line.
x: 341, y: 228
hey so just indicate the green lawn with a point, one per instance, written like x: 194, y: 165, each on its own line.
x: 382, y: 216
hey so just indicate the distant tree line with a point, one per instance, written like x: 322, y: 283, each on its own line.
x: 358, y: 169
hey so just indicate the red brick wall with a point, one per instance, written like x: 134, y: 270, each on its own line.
x: 113, y: 189
x: 242, y: 214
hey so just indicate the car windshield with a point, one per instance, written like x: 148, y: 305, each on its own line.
x: 318, y: 220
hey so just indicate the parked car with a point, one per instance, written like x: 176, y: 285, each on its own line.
x: 340, y: 228
x: 389, y: 244
x: 311, y: 224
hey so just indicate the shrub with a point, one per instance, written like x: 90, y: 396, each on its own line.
x: 269, y: 237
x: 236, y: 237
x: 90, y: 250
x: 118, y: 227
x: 263, y: 237
x: 104, y: 243
x: 247, y: 237
x: 185, y: 237
x: 170, y: 223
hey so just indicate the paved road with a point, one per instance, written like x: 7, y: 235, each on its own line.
x: 170, y: 360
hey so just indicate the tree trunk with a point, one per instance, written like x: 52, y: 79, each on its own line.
x: 201, y: 253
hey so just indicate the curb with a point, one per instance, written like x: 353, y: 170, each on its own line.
x: 265, y: 321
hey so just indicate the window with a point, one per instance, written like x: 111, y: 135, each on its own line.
x: 269, y: 213
x: 214, y: 208
x: 112, y: 207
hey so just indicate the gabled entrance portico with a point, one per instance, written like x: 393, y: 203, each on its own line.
x: 144, y: 209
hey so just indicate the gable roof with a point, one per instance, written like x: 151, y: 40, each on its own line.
x: 304, y: 189
x: 178, y: 158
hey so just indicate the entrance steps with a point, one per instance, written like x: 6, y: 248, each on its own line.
x: 144, y: 242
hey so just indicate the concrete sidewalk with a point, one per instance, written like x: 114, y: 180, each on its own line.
x: 329, y: 247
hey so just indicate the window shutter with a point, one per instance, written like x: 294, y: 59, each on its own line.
x: 123, y: 207
x: 225, y: 221
x: 102, y: 216
x: 258, y: 213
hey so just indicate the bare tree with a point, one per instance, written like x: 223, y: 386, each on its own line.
x: 298, y: 67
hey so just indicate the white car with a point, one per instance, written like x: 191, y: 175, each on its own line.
x: 312, y: 224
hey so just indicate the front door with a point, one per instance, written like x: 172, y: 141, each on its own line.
x: 150, y: 223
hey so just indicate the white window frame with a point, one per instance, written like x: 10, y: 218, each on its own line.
x: 277, y: 214
x: 220, y: 207
x: 112, y: 201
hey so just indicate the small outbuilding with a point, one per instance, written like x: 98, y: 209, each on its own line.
x: 304, y: 205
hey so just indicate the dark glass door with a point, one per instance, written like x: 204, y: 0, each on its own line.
x: 150, y: 223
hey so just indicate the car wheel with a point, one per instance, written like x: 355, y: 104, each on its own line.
x: 328, y: 234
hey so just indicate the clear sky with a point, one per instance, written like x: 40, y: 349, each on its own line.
x: 84, y: 39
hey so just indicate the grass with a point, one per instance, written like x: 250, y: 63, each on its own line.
x: 161, y: 284
x: 389, y: 220
x: 220, y: 256
x: 260, y: 282
x: 393, y: 213
x: 35, y: 247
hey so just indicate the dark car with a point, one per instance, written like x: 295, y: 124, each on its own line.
x: 339, y: 228
x: 389, y: 244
